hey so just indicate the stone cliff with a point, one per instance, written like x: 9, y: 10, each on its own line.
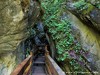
x: 14, y: 29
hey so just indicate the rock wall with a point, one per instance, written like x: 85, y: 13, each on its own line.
x: 11, y: 29
x: 87, y: 12
x: 86, y: 28
x: 84, y: 17
x: 14, y: 28
x: 89, y: 39
x: 12, y: 32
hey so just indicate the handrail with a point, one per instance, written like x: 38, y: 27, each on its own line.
x: 24, y: 67
x: 52, y: 67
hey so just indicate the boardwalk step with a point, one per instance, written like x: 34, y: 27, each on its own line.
x: 39, y: 63
x: 38, y: 74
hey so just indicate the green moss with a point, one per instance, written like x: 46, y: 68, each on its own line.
x: 83, y: 6
x: 80, y: 5
x: 98, y: 5
x: 59, y: 25
x: 60, y: 28
x: 88, y: 10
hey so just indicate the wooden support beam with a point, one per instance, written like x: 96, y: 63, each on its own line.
x: 51, y: 65
x: 24, y: 67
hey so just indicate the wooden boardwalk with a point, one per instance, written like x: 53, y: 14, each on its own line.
x: 38, y: 67
x: 40, y: 64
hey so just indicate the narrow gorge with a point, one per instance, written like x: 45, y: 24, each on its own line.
x: 71, y: 27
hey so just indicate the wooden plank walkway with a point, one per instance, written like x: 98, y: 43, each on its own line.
x: 39, y: 65
x: 42, y: 64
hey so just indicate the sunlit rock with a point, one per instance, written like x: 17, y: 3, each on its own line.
x: 14, y: 28
x: 89, y: 39
x: 86, y: 12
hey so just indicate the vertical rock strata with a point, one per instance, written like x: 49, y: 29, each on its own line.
x: 13, y: 30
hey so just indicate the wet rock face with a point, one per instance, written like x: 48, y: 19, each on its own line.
x: 14, y: 29
x: 90, y: 40
x: 7, y: 63
x: 95, y: 16
x: 87, y: 12
x: 85, y: 27
x: 94, y: 2
x: 14, y: 22
x: 12, y: 32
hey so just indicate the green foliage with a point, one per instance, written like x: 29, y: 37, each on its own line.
x: 60, y: 28
x: 98, y: 5
x: 77, y: 67
x: 80, y: 5
x: 57, y: 27
x: 83, y: 6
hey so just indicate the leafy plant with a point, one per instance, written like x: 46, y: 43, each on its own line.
x: 60, y: 28
x: 81, y: 5
x: 98, y: 5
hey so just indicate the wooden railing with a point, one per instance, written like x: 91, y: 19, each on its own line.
x: 24, y: 67
x: 51, y: 65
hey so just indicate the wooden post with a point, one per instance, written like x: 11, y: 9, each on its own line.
x: 23, y: 68
x: 46, y: 50
x: 30, y: 52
